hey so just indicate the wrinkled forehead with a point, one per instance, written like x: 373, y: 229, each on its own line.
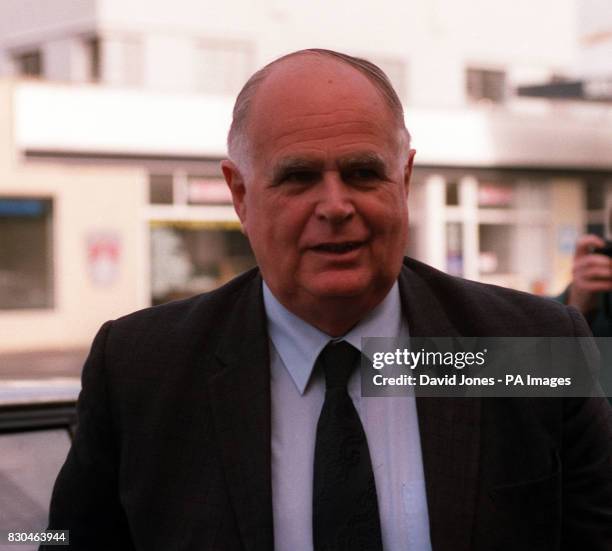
x: 304, y: 78
x: 302, y: 96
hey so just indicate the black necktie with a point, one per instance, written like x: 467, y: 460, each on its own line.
x: 345, y: 508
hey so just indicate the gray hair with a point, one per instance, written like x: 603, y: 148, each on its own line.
x: 237, y: 142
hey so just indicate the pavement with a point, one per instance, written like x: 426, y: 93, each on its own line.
x: 46, y: 375
x: 30, y: 460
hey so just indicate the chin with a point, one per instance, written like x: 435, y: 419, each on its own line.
x: 341, y: 286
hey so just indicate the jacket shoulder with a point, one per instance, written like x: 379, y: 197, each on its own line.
x: 204, y: 314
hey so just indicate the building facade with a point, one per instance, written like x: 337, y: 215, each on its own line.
x: 111, y: 197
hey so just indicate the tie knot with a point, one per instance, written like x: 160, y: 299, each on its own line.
x: 338, y: 360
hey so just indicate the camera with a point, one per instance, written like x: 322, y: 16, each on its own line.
x: 607, y: 249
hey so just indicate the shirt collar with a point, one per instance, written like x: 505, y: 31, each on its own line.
x: 299, y: 344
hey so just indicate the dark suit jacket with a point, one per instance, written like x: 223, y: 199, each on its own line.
x: 172, y: 449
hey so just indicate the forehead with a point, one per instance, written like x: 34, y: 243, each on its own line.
x: 311, y: 105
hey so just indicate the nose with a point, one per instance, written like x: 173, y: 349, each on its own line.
x: 335, y: 204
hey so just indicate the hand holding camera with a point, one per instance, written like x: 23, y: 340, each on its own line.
x: 592, y: 272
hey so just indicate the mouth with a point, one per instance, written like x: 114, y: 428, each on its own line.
x: 338, y: 248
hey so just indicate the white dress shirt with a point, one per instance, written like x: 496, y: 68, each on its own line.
x: 390, y: 425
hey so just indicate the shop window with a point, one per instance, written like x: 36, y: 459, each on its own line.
x: 92, y: 47
x: 595, y: 195
x: 26, y: 253
x: 161, y: 190
x: 29, y: 64
x: 454, y: 248
x: 188, y: 258
x: 452, y: 194
x: 598, y: 202
x: 496, y: 248
x: 486, y: 85
x: 595, y: 228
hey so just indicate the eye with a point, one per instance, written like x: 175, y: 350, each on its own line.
x: 366, y: 173
x: 362, y: 175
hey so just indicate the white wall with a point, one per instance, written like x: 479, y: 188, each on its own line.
x: 88, y: 200
x: 30, y: 22
x: 65, y: 60
x: 152, y: 42
x: 508, y: 28
x: 437, y: 38
x: 593, y: 16
x: 225, y: 19
x: 122, y: 59
x: 169, y: 63
x: 98, y: 119
x: 596, y: 60
x: 6, y: 65
x: 595, y: 34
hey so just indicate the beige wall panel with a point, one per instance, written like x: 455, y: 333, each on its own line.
x: 88, y: 202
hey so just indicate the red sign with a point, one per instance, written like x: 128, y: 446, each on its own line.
x: 208, y: 190
x: 103, y: 252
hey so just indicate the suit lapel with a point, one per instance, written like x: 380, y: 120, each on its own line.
x: 240, y: 400
x: 449, y: 428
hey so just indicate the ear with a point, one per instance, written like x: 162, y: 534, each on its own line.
x: 235, y: 182
x: 408, y: 169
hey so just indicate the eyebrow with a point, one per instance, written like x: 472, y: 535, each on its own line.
x: 367, y: 159
x: 291, y: 164
x: 288, y: 165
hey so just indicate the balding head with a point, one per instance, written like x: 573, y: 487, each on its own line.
x: 238, y: 140
x: 319, y: 178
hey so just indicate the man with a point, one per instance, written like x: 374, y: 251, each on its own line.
x: 591, y: 293
x: 591, y: 285
x: 206, y: 423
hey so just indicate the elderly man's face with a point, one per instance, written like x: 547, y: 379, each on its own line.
x: 323, y: 198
